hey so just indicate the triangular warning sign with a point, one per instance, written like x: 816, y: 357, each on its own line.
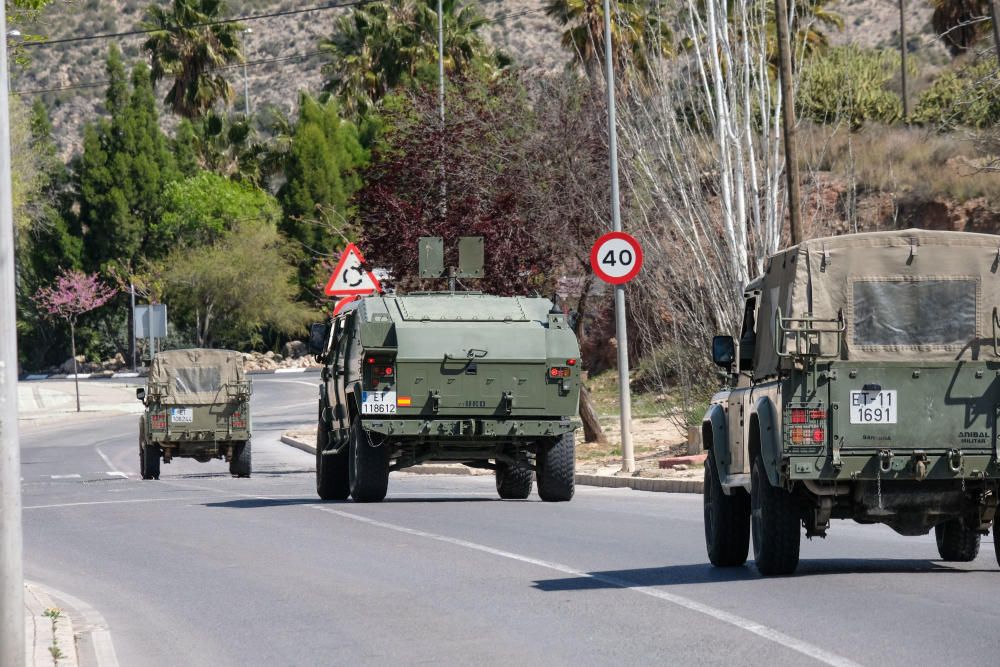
x: 350, y: 277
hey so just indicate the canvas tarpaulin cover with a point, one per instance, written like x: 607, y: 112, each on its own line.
x: 904, y: 295
x: 197, y: 375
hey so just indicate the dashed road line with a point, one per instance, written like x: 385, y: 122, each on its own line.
x: 73, y: 476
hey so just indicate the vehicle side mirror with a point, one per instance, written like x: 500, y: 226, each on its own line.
x: 723, y: 351
x: 140, y: 393
x: 317, y: 338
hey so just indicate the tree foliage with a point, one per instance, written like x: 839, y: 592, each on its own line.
x: 228, y: 291
x: 955, y: 21
x: 849, y: 85
x: 322, y: 170
x: 186, y: 49
x: 381, y: 45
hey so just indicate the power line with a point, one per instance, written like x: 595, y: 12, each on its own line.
x: 239, y: 19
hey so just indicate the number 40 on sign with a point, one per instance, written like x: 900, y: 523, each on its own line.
x: 616, y: 258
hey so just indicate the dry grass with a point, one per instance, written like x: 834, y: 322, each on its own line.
x: 912, y: 162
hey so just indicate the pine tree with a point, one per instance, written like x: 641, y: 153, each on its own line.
x: 322, y: 174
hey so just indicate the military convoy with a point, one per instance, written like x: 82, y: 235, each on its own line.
x: 197, y: 406
x: 865, y: 385
x: 488, y: 381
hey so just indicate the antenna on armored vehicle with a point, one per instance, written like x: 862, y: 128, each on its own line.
x: 470, y: 259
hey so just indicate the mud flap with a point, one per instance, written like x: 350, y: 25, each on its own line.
x: 770, y: 434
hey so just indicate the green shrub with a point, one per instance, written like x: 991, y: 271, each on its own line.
x: 849, y: 84
x: 968, y: 96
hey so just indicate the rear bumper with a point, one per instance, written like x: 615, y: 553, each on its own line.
x: 471, y: 427
x: 902, y: 465
x: 198, y: 439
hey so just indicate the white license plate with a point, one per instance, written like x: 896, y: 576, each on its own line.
x: 378, y: 403
x: 874, y: 407
x: 181, y: 415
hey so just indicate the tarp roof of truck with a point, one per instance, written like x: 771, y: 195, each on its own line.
x: 197, y: 375
x: 909, y: 294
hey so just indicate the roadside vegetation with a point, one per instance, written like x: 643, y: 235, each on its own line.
x: 234, y: 216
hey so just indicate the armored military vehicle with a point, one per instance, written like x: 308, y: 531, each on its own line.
x: 197, y: 406
x: 865, y: 385
x: 488, y: 381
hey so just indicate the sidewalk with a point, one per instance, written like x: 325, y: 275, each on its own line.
x: 306, y: 441
x: 49, y: 637
x: 42, y: 400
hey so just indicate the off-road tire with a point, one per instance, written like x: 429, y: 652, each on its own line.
x: 957, y: 543
x: 996, y: 542
x: 241, y: 463
x: 727, y: 520
x: 513, y: 480
x: 775, y: 525
x: 332, y: 472
x: 149, y: 461
x: 369, y: 467
x: 556, y: 469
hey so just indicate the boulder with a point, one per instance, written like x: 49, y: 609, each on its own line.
x: 294, y: 349
x: 67, y: 366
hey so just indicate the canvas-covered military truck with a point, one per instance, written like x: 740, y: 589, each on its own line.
x: 865, y: 385
x: 488, y: 381
x: 197, y: 406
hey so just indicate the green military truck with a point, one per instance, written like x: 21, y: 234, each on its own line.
x: 865, y: 385
x: 488, y: 381
x: 197, y: 406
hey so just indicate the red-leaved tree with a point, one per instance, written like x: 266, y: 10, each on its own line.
x: 73, y: 294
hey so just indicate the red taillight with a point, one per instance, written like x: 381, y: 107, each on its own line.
x: 371, y: 360
x: 158, y: 421
x: 555, y: 372
x: 571, y: 362
x: 559, y: 372
x: 819, y: 435
x: 388, y: 370
x: 817, y: 415
x: 798, y: 416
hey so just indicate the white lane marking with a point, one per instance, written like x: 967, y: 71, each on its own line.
x: 108, y: 502
x: 753, y: 627
x: 116, y: 473
x: 93, y: 624
x: 114, y: 468
x: 73, y: 476
x: 290, y: 370
x: 308, y: 384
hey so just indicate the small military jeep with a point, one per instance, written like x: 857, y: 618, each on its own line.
x: 463, y: 377
x: 197, y: 406
x: 865, y: 385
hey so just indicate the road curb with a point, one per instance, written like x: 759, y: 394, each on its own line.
x: 607, y: 481
x: 43, y: 634
x: 82, y: 632
x: 36, y: 377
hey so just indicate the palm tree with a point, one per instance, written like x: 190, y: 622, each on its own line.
x: 953, y: 20
x: 188, y: 45
x: 380, y: 46
x: 637, y: 31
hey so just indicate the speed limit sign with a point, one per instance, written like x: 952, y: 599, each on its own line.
x: 616, y: 258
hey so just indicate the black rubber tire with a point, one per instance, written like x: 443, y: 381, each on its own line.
x: 727, y: 520
x: 332, y: 472
x: 996, y: 542
x: 513, y: 480
x: 956, y: 543
x: 774, y: 524
x: 369, y: 467
x: 555, y: 465
x: 241, y: 464
x: 149, y: 461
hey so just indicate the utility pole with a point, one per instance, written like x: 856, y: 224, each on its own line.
x: 902, y: 60
x: 621, y: 332
x: 11, y: 569
x: 246, y: 78
x: 788, y: 120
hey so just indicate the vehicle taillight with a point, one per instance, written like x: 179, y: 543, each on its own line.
x: 805, y: 426
x: 559, y: 372
x: 798, y: 436
x: 237, y: 420
x: 158, y: 421
x: 798, y: 416
x: 819, y: 435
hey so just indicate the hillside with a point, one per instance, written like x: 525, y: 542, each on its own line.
x: 69, y: 76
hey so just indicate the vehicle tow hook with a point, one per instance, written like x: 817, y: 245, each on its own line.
x: 885, y: 461
x: 920, y: 465
x: 955, y: 460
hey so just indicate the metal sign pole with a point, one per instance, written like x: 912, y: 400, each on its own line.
x: 624, y: 389
x: 131, y: 334
x: 11, y: 568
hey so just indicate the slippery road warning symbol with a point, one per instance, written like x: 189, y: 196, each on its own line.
x: 350, y: 278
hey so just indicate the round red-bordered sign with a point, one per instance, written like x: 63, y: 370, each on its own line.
x: 616, y: 258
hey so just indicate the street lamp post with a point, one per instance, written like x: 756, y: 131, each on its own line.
x: 621, y: 333
x: 11, y: 568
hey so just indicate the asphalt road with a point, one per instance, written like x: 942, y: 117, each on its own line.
x: 202, y: 569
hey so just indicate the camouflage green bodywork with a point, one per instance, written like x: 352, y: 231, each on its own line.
x: 197, y: 404
x: 475, y: 368
x: 803, y: 346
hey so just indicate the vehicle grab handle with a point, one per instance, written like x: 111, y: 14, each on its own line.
x: 466, y: 355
